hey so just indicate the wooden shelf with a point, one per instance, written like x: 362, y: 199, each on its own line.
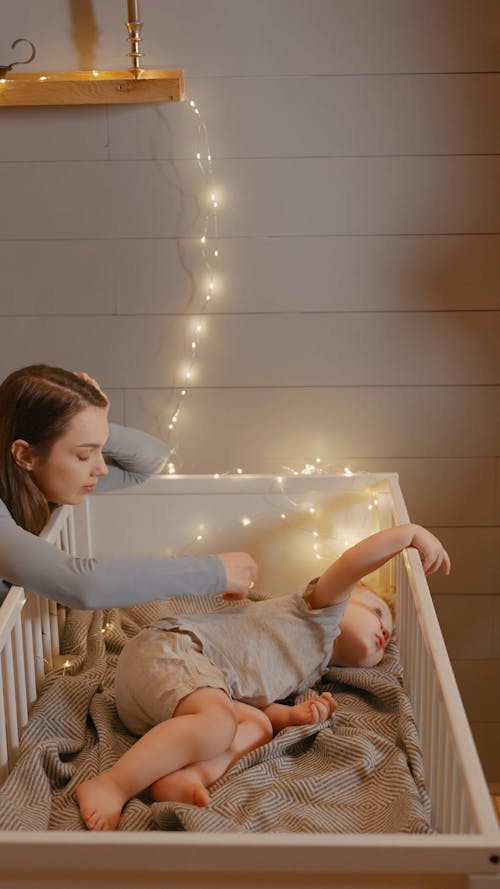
x: 89, y: 88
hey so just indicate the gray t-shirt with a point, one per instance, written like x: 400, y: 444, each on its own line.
x: 26, y: 560
x: 268, y: 649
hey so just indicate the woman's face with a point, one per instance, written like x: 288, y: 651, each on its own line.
x: 75, y: 463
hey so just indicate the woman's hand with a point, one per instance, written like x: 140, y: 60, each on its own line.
x: 432, y: 551
x: 241, y: 573
x: 93, y: 383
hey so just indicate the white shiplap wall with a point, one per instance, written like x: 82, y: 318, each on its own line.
x: 356, y: 150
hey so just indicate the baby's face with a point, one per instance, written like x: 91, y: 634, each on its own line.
x: 366, y: 628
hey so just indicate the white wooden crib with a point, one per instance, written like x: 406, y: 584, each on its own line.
x: 290, y: 525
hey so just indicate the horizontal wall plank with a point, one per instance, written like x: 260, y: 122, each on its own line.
x: 321, y: 196
x: 326, y: 273
x: 477, y: 681
x: 59, y: 277
x: 54, y: 134
x: 263, y: 429
x: 475, y: 564
x: 269, y: 36
x: 469, y: 625
x: 487, y: 738
x: 156, y: 276
x: 317, y: 116
x: 330, y: 349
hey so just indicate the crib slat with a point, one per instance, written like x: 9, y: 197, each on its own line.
x: 45, y: 625
x: 4, y: 754
x: 29, y: 655
x: 37, y: 641
x: 22, y: 704
x: 54, y: 630
x: 10, y: 694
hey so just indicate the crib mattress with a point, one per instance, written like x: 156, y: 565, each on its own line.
x: 359, y: 772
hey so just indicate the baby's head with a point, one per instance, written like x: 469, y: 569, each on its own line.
x: 365, y: 630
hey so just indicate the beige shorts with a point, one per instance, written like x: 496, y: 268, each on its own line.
x: 155, y: 670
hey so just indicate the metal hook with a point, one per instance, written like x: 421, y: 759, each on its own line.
x: 5, y: 68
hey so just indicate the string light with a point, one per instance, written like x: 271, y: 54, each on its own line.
x: 209, y: 254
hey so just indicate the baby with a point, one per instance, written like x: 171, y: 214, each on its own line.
x: 202, y: 690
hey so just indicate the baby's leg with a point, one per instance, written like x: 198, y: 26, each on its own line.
x: 308, y: 712
x: 203, y: 726
x: 189, y: 785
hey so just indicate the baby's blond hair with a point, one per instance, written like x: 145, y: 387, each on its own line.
x: 385, y: 592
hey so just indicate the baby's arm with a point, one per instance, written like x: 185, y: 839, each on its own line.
x: 341, y: 577
x: 315, y: 710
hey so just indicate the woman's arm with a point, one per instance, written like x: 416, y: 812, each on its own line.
x: 28, y: 561
x: 132, y: 457
x: 341, y: 577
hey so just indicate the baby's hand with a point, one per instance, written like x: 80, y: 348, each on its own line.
x: 432, y: 551
x: 241, y: 573
x: 314, y: 710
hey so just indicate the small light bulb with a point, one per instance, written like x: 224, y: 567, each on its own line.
x: 246, y: 521
x: 208, y: 298
x: 3, y: 80
x: 198, y: 156
x: 188, y: 375
x: 209, y: 157
x: 95, y: 73
x: 67, y: 663
x: 203, y: 240
x: 211, y: 285
x: 239, y: 471
x: 200, y: 537
x: 283, y: 515
x: 170, y: 426
x: 171, y: 469
x: 317, y: 556
x: 199, y: 328
x: 193, y: 345
x: 370, y: 506
x: 312, y: 510
x: 315, y: 547
x: 43, y: 77
x: 216, y: 252
x: 216, y: 475
x: 315, y: 534
x: 279, y: 479
x: 193, y: 104
x: 196, y: 111
x: 183, y: 392
x: 347, y: 471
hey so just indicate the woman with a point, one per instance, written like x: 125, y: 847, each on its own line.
x: 56, y: 447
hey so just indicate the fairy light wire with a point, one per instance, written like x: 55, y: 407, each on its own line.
x: 209, y: 249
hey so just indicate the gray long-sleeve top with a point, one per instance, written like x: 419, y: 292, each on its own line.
x: 26, y: 560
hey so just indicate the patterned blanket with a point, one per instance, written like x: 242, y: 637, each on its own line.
x: 361, y: 771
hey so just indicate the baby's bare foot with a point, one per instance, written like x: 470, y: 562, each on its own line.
x: 101, y: 802
x: 180, y: 787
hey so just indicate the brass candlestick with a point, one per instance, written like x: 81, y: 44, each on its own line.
x: 134, y: 28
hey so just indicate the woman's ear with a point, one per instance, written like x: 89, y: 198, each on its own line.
x: 22, y: 454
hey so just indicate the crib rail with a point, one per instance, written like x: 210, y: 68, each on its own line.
x: 30, y: 628
x: 454, y: 778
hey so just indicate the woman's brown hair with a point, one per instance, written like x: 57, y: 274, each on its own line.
x: 36, y: 405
